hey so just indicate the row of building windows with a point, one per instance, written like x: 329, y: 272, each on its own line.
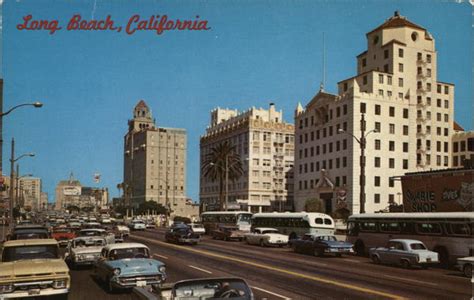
x: 311, y: 120
x: 458, y: 160
x: 316, y: 166
x: 439, y: 102
x: 322, y: 133
x: 310, y: 184
x: 325, y: 148
x: 461, y: 145
x: 378, y: 110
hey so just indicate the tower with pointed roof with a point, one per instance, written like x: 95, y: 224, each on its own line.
x: 397, y: 90
x: 154, y: 161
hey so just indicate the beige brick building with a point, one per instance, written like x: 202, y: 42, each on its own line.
x: 154, y: 161
x: 30, y: 192
x: 463, y: 147
x: 265, y: 144
x: 397, y: 90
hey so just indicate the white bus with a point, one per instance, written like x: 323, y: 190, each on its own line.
x: 295, y: 224
x: 448, y: 233
x: 212, y: 219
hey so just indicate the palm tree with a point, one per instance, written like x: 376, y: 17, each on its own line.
x: 214, y: 167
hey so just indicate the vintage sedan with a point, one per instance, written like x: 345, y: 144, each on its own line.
x: 26, y: 232
x: 207, y: 288
x: 266, y: 237
x: 405, y: 253
x: 63, y: 235
x: 33, y: 268
x: 137, y: 225
x: 182, y: 235
x: 84, y: 251
x: 128, y: 265
x: 464, y: 265
x: 109, y: 237
x: 228, y: 233
x: 319, y: 245
x: 124, y: 230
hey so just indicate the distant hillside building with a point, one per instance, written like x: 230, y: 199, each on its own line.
x: 265, y: 143
x: 154, y: 161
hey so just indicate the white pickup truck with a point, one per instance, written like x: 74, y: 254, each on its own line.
x: 405, y: 253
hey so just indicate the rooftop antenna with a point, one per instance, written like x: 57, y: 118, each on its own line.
x: 321, y: 87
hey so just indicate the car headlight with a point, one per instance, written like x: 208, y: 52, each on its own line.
x: 6, y: 288
x: 117, y: 271
x: 60, y: 284
x: 162, y: 269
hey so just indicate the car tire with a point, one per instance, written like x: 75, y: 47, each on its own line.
x: 338, y: 255
x: 295, y: 249
x: 262, y: 243
x: 405, y: 264
x: 318, y: 252
x: 375, y: 259
x: 467, y: 270
x: 110, y: 288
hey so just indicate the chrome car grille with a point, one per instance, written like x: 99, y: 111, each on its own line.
x: 134, y: 279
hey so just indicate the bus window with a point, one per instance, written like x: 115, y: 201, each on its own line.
x: 460, y: 229
x: 389, y: 227
x: 429, y: 228
x: 352, y: 228
x: 368, y: 226
x: 319, y: 221
x: 407, y: 228
x: 327, y: 222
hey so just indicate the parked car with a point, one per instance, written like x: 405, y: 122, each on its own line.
x: 150, y: 225
x: 197, y: 228
x: 207, y: 288
x: 33, y: 268
x: 228, y: 233
x: 182, y: 235
x: 405, y: 253
x: 465, y: 265
x: 128, y: 265
x: 63, y: 235
x: 266, y: 237
x: 84, y: 251
x: 319, y: 245
x: 137, y: 225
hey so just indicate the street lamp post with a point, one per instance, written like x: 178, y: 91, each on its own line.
x: 12, y: 178
x: 362, y: 143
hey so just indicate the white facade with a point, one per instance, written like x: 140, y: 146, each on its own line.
x: 463, y: 148
x: 396, y: 89
x: 265, y: 144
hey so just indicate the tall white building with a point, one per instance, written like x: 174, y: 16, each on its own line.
x: 265, y: 143
x: 397, y: 90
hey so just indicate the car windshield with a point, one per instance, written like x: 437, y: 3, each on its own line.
x: 328, y: 238
x: 87, y: 243
x: 29, y: 235
x: 270, y: 231
x: 212, y: 289
x: 90, y: 233
x: 417, y: 246
x: 244, y: 219
x: 62, y: 230
x: 128, y: 253
x: 29, y: 252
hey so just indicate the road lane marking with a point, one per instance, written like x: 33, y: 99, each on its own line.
x: 351, y: 260
x: 267, y: 267
x: 162, y: 256
x: 199, y: 269
x: 271, y: 293
x: 412, y: 280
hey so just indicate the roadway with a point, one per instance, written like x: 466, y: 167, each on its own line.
x: 279, y: 273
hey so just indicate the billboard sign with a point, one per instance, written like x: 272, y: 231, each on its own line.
x: 452, y: 191
x: 72, y: 190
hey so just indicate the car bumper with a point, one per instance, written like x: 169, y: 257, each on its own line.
x: 63, y: 242
x: 137, y: 281
x: 188, y: 241
x: 34, y: 293
x: 339, y: 250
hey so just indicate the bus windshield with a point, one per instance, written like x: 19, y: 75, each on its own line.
x: 244, y: 219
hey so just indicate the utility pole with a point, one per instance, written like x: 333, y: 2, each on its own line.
x: 362, y: 164
x: 12, y: 181
x: 226, y: 182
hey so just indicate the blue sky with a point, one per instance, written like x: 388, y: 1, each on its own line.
x: 255, y: 53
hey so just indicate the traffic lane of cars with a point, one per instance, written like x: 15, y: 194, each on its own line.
x: 348, y: 268
x: 296, y: 282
